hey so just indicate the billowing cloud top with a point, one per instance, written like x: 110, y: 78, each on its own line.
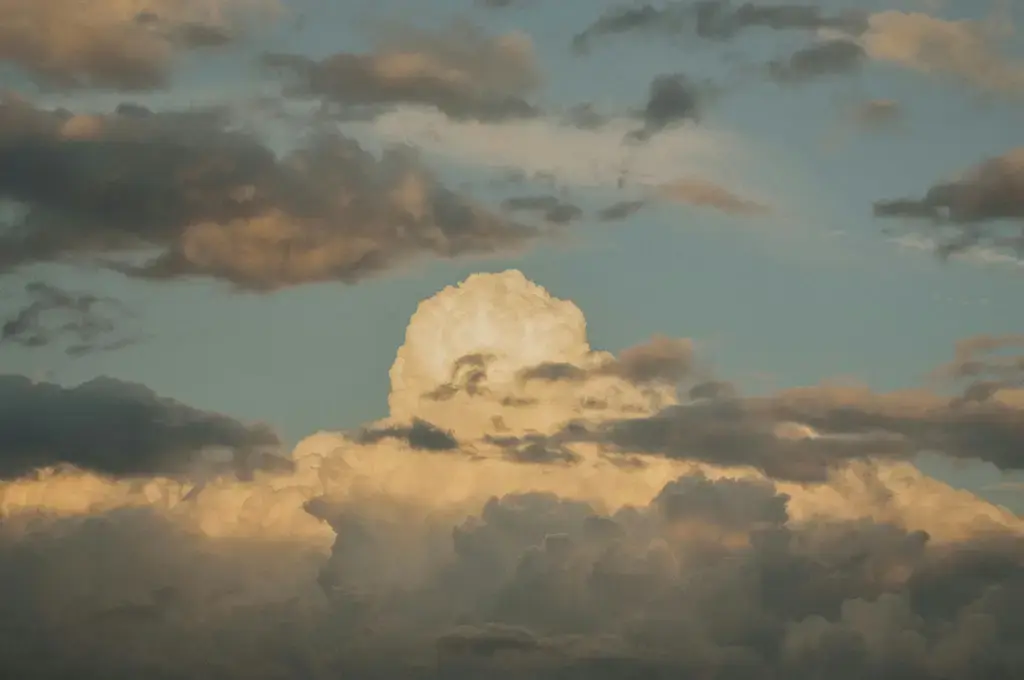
x: 503, y: 522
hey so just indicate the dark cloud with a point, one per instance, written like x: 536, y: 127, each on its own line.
x: 553, y: 208
x: 981, y: 208
x: 723, y: 20
x: 534, y: 449
x: 735, y: 433
x: 83, y: 322
x: 462, y: 72
x: 554, y: 372
x: 661, y: 359
x: 117, y: 428
x: 820, y: 60
x: 110, y: 44
x: 468, y: 374
x: 803, y: 434
x: 420, y: 435
x: 173, y: 195
x: 715, y: 20
x: 671, y: 99
x: 620, y: 210
x: 617, y: 20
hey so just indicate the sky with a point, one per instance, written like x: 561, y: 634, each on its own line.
x: 765, y: 250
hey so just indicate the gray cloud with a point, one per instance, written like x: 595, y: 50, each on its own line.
x: 620, y: 210
x: 461, y: 71
x: 199, y: 199
x: 83, y: 322
x: 553, y: 208
x: 715, y: 20
x: 672, y: 99
x: 968, y: 211
x: 115, y: 427
x: 822, y: 59
x: 421, y: 435
x: 804, y: 434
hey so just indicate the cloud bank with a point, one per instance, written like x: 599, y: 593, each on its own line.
x: 468, y: 534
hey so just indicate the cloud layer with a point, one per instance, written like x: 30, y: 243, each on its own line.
x: 460, y: 537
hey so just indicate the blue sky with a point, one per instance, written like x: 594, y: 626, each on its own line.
x: 813, y: 292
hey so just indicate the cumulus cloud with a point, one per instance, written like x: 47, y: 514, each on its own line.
x: 460, y: 71
x: 980, y: 208
x: 121, y: 44
x: 454, y: 539
x: 165, y: 195
x: 83, y: 322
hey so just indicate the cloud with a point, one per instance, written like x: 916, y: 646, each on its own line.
x: 706, y: 194
x: 553, y: 208
x: 460, y: 71
x: 969, y: 51
x: 165, y: 195
x: 497, y: 555
x: 117, y: 43
x: 114, y: 427
x: 714, y: 20
x: 971, y: 207
x: 671, y: 99
x: 877, y: 114
x: 826, y: 58
x: 620, y: 210
x: 547, y: 147
x: 90, y: 323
